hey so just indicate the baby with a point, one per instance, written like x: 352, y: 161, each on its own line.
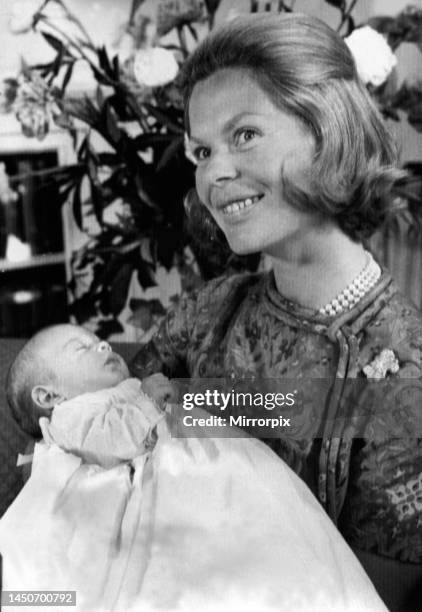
x: 68, y: 386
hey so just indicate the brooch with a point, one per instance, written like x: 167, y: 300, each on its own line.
x: 385, y: 362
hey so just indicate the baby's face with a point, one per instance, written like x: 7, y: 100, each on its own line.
x: 81, y: 362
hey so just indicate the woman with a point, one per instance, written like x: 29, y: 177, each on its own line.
x: 293, y: 160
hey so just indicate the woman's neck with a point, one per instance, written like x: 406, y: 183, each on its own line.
x: 317, y: 268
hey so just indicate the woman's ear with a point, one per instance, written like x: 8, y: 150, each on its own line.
x: 44, y: 396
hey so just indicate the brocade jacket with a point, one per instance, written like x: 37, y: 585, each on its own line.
x: 365, y: 467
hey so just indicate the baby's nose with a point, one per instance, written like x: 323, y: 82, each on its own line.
x: 104, y: 347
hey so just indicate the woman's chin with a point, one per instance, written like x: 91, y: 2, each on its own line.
x: 240, y: 248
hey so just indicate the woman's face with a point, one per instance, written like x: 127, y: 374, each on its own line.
x: 243, y: 144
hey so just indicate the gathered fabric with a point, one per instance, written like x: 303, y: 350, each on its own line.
x: 190, y: 524
x: 104, y: 427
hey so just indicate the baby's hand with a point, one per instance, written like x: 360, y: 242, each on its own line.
x: 160, y: 389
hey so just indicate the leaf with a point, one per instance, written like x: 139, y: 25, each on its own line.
x: 212, y: 6
x: 119, y: 288
x: 64, y: 193
x: 83, y: 308
x: 100, y: 78
x: 67, y: 77
x: 110, y: 68
x: 99, y: 97
x: 145, y: 274
x: 340, y: 4
x: 107, y: 328
x: 193, y: 32
x: 77, y: 206
x: 108, y: 159
x: 350, y: 25
x: 84, y: 110
x: 143, y: 141
x: 169, y: 153
x: 116, y: 67
x: 97, y: 201
x: 111, y: 123
x: 53, y: 41
x: 57, y: 64
x: 164, y: 119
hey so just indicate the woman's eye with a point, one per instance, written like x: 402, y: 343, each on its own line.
x: 201, y: 153
x: 245, y: 135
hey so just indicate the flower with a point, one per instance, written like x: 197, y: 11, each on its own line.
x: 35, y: 105
x: 372, y: 54
x: 385, y: 362
x: 23, y: 15
x: 154, y: 67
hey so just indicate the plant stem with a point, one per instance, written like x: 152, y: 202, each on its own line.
x: 346, y: 14
x: 73, y: 44
x: 134, y: 9
x: 77, y: 22
x: 182, y: 40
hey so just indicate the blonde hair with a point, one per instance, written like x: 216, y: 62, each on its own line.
x: 27, y: 371
x: 308, y: 71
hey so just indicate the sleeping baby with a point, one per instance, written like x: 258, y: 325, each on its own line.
x: 131, y: 518
x: 73, y: 389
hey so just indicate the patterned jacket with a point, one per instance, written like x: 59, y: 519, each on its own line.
x: 357, y: 443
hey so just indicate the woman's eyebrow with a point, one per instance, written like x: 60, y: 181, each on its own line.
x: 229, y: 125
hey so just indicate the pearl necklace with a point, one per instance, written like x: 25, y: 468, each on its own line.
x: 354, y: 292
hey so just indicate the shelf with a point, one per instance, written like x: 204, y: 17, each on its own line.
x: 37, y: 261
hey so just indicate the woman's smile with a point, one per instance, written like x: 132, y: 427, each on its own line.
x: 238, y: 208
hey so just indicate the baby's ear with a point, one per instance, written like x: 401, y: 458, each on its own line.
x: 45, y: 396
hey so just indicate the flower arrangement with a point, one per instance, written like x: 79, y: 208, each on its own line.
x: 137, y: 110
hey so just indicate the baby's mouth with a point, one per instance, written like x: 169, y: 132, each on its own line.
x: 112, y: 359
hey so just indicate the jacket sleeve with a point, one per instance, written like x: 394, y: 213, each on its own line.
x: 383, y: 513
x: 181, y: 333
x: 167, y: 351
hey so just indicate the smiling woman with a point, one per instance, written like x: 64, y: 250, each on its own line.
x: 244, y: 146
x: 294, y: 160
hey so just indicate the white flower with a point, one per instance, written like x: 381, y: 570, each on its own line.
x: 372, y: 54
x: 22, y: 15
x: 385, y: 362
x: 154, y: 66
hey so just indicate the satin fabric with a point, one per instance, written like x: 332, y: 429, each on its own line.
x: 190, y: 524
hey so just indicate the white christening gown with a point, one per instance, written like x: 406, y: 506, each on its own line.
x: 133, y: 519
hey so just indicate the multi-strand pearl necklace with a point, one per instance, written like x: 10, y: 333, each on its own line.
x: 354, y: 292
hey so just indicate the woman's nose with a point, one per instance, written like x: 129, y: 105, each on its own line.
x: 221, y: 168
x: 104, y: 347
